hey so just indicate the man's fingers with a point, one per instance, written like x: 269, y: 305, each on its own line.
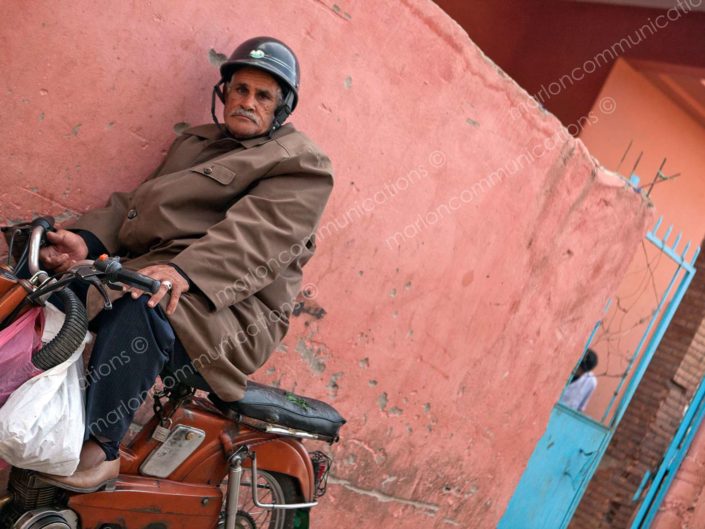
x: 163, y: 273
x: 135, y: 292
x: 63, y: 263
x: 59, y: 262
x: 156, y: 298
x: 48, y: 253
x: 68, y: 242
x: 173, y: 301
x: 55, y: 236
x: 58, y: 239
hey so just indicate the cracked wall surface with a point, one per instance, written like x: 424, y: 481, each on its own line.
x: 463, y: 258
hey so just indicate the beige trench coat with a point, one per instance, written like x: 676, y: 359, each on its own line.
x: 238, y: 218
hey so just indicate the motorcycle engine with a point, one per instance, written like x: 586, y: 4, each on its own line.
x: 33, y: 504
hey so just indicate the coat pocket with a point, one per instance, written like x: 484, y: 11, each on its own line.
x: 219, y: 173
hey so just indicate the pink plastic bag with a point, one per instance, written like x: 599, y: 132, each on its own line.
x: 17, y: 343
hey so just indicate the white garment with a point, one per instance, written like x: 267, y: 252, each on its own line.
x: 578, y: 392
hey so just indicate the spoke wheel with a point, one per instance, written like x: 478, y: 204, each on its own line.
x: 271, y: 488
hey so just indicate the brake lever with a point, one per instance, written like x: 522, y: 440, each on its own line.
x: 87, y: 273
x: 107, y: 304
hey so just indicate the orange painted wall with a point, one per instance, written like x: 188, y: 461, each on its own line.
x: 659, y: 129
x: 456, y: 298
x: 537, y: 42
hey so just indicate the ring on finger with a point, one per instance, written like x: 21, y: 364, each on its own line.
x: 166, y: 283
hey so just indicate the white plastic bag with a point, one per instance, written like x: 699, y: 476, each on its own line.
x: 43, y: 421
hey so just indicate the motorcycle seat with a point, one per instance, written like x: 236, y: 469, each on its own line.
x: 274, y: 406
x: 283, y: 408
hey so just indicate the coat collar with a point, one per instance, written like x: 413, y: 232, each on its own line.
x: 212, y: 132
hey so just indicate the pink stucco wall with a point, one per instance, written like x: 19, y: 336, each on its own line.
x: 464, y: 257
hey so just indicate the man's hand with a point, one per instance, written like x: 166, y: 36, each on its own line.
x: 65, y: 248
x: 163, y: 272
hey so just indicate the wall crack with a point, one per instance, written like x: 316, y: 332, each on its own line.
x: 384, y: 498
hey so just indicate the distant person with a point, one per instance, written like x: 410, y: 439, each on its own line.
x: 578, y: 392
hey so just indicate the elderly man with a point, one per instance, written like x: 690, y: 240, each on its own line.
x: 225, y: 223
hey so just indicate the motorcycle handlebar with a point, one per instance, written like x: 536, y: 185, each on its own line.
x: 137, y: 280
x: 40, y: 226
x: 45, y: 222
x: 110, y: 267
x: 114, y: 270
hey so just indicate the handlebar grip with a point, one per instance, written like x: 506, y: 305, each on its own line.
x: 137, y: 280
x: 45, y: 222
x: 40, y: 226
x: 116, y: 273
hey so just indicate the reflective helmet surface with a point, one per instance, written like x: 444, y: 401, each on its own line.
x: 272, y: 56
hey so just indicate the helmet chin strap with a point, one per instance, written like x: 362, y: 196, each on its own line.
x: 218, y: 92
x: 282, y: 112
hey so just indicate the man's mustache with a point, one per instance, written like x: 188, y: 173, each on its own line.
x: 245, y: 113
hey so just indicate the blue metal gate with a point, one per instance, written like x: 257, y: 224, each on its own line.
x: 573, y: 444
x: 661, y: 481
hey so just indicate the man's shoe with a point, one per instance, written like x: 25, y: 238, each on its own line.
x: 89, y: 480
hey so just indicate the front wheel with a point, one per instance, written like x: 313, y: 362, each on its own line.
x: 271, y: 488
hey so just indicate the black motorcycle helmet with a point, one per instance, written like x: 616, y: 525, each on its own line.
x: 275, y: 58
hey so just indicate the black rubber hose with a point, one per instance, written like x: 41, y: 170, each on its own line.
x: 69, y: 338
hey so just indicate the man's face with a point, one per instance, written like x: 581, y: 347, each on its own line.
x: 250, y: 101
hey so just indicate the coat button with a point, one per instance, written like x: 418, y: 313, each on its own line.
x: 132, y: 214
x: 207, y: 170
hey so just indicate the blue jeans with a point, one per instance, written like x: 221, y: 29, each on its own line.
x: 134, y: 344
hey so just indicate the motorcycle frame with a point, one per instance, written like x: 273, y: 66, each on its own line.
x: 191, y: 497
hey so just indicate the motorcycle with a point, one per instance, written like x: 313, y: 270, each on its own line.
x: 199, y: 462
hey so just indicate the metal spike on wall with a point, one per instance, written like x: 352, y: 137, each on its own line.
x: 656, y: 177
x: 636, y: 164
x: 624, y: 155
x: 660, y: 177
